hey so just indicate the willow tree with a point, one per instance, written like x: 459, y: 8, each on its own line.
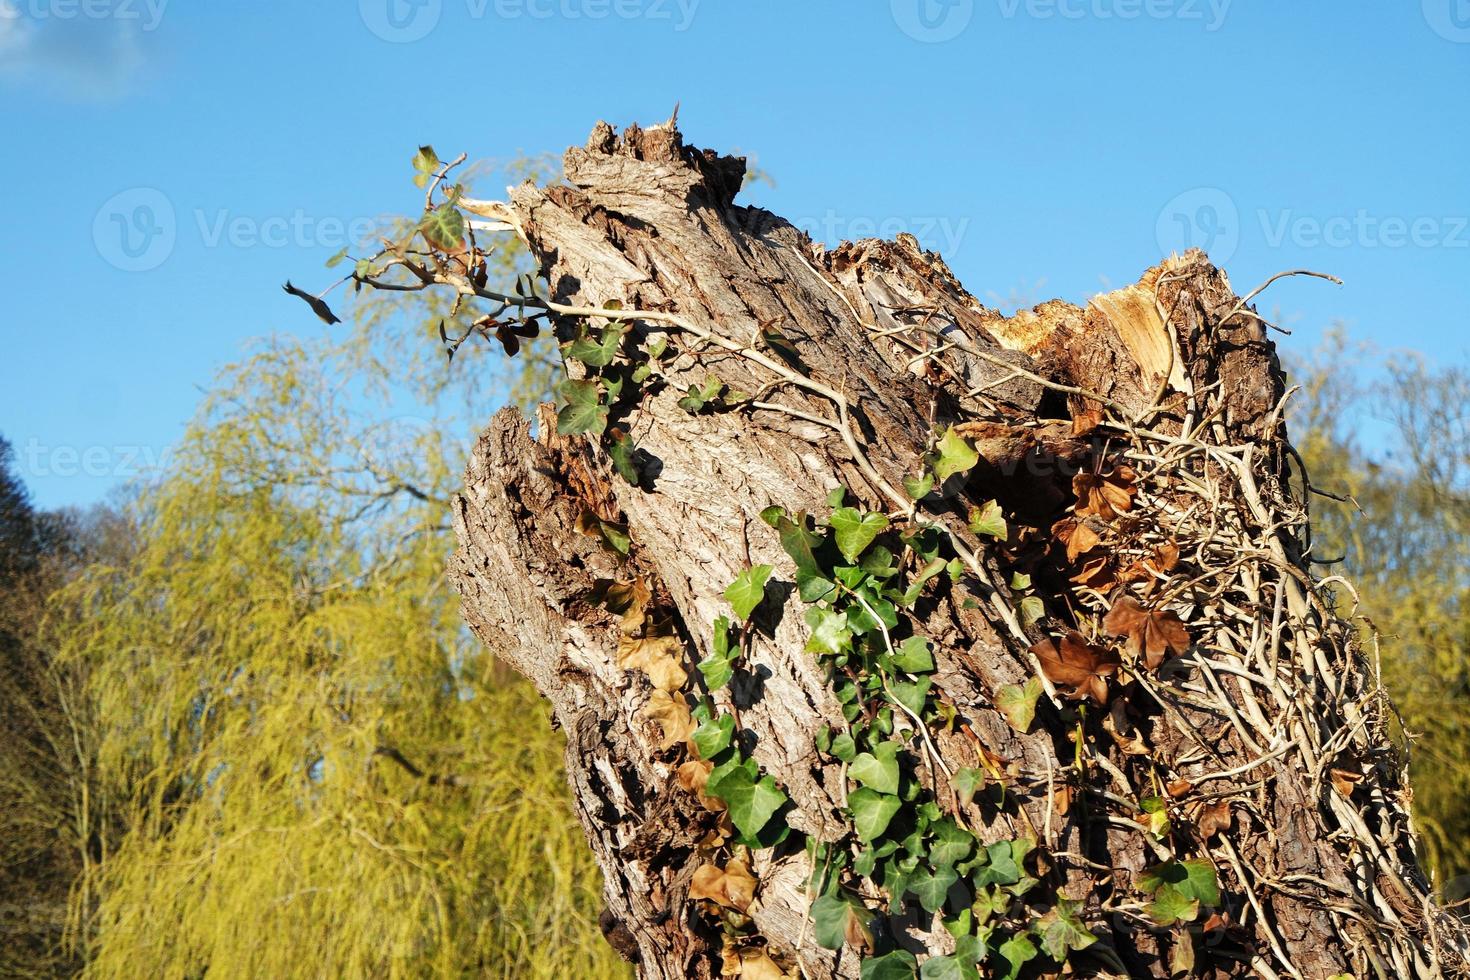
x: 891, y: 635
x: 1399, y: 521
x: 314, y: 771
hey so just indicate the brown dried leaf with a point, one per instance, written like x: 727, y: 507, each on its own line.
x: 1062, y: 799
x: 1151, y: 571
x: 1181, y: 955
x: 657, y: 656
x: 1085, y: 422
x: 1079, y: 668
x: 1106, y: 495
x: 1115, y: 723
x: 722, y: 832
x: 733, y: 886
x: 693, y: 776
x: 1343, y: 781
x: 1097, y: 572
x: 757, y: 965
x: 1179, y: 787
x: 1076, y: 535
x: 1150, y: 633
x: 627, y: 599
x: 1166, y: 556
x: 672, y: 715
x: 1213, y: 820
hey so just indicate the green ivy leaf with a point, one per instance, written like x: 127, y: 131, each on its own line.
x: 933, y: 887
x: 865, y: 617
x: 1033, y: 610
x: 830, y: 633
x: 837, y: 917
x: 824, y: 739
x: 597, y: 353
x: 897, y: 965
x: 953, y: 455
x: 990, y: 903
x: 695, y: 400
x: 970, y: 950
x: 583, y: 411
x: 878, y: 563
x: 918, y: 487
x: 443, y: 227
x: 751, y: 800
x: 948, y: 968
x: 426, y: 161
x: 925, y: 540
x: 1023, y: 886
x: 952, y: 844
x: 871, y: 813
x: 748, y: 589
x: 913, y: 655
x: 784, y: 349
x: 714, y: 736
x: 717, y: 673
x: 1018, y: 703
x: 1061, y: 931
x: 877, y: 770
x: 968, y: 782
x: 1170, y: 906
x: 614, y: 536
x: 796, y: 540
x: 1016, y: 951
x: 620, y: 451
x: 1002, y: 868
x: 1194, y: 879
x: 812, y: 586
x: 719, y: 666
x: 912, y: 695
x: 843, y: 747
x: 854, y: 530
x: 987, y: 521
x: 916, y: 587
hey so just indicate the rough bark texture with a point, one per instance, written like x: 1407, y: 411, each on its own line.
x: 645, y: 220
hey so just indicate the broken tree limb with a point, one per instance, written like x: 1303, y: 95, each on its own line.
x: 1137, y: 450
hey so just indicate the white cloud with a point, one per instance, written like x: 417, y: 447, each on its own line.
x: 87, y: 52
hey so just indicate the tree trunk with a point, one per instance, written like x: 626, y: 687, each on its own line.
x: 1262, y: 738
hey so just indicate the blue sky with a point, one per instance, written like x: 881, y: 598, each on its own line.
x: 173, y: 161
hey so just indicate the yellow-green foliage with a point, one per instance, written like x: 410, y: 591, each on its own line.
x: 319, y: 773
x: 1400, y: 445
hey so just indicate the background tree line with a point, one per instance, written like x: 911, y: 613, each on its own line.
x: 246, y: 733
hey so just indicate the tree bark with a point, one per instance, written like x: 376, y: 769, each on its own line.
x: 1273, y: 711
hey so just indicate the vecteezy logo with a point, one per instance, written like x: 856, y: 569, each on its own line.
x: 400, y: 21
x: 1449, y: 18
x: 1205, y: 218
x: 135, y: 230
x: 932, y: 21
